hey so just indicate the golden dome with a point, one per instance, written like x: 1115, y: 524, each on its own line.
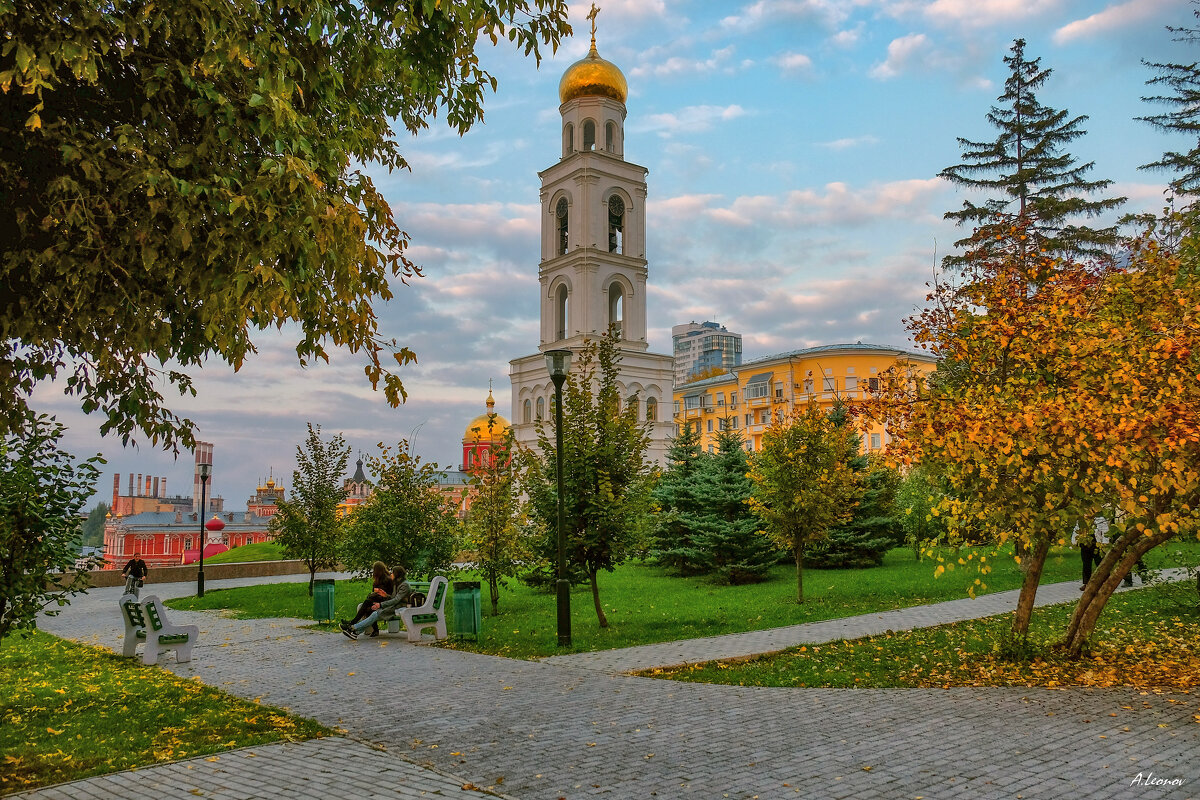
x: 592, y: 76
x: 489, y: 427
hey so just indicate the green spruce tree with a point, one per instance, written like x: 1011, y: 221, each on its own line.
x: 726, y: 531
x: 1031, y: 179
x: 676, y: 497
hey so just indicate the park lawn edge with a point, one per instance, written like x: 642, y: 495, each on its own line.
x: 1143, y: 641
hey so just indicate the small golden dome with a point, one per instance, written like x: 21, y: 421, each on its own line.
x: 592, y: 76
x: 489, y: 427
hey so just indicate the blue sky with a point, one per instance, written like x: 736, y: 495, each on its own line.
x: 793, y: 148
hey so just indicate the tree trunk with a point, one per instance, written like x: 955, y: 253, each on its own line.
x: 494, y: 586
x: 596, y: 600
x: 1031, y: 564
x: 312, y: 577
x: 799, y: 552
x: 1120, y: 559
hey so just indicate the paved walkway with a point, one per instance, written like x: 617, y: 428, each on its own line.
x: 426, y: 721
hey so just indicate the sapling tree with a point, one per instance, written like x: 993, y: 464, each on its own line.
x: 42, y: 490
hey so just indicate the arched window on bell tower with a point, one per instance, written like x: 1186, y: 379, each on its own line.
x: 616, y: 224
x: 616, y: 308
x: 560, y: 313
x: 560, y: 213
x: 589, y: 135
x: 610, y: 137
x: 568, y: 139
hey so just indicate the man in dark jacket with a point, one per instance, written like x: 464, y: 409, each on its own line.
x: 135, y: 574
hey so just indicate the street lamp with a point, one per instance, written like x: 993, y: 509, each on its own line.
x: 205, y: 472
x: 558, y: 363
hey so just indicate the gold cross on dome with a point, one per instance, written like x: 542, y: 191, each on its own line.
x: 592, y: 16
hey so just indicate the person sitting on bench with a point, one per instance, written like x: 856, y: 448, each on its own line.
x: 385, y: 609
x: 381, y: 589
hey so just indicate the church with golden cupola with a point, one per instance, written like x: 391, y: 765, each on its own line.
x: 593, y: 271
x: 483, y: 437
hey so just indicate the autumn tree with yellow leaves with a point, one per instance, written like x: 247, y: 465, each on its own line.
x: 1064, y: 391
x: 803, y: 481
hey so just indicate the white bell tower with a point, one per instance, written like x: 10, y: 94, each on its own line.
x: 593, y: 270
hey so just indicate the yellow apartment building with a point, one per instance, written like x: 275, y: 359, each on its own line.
x: 746, y: 398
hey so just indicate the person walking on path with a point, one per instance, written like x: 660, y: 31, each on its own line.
x: 383, y: 610
x: 135, y: 573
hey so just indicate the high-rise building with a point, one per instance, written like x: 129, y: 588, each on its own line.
x: 593, y: 274
x: 702, y: 347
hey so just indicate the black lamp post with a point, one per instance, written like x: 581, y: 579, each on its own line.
x: 558, y: 363
x: 205, y: 472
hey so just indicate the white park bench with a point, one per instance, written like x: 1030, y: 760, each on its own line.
x: 135, y: 624
x: 430, y: 614
x: 162, y: 636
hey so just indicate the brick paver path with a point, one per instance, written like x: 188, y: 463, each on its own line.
x: 566, y: 728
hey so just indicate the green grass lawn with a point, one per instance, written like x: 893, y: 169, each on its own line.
x: 262, y: 551
x: 645, y: 604
x: 69, y: 711
x: 1146, y: 638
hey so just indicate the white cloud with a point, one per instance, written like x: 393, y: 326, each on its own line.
x: 679, y: 65
x: 845, y: 144
x: 903, y: 54
x: 836, y: 204
x: 690, y: 119
x: 970, y: 13
x: 829, y: 13
x: 793, y: 62
x: 1113, y: 18
x: 847, y: 38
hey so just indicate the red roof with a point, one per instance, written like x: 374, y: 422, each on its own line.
x: 210, y: 550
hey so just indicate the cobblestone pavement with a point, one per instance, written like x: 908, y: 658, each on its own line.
x: 559, y: 729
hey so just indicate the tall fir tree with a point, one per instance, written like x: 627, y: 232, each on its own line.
x: 675, y: 496
x: 1180, y: 84
x: 726, y: 533
x: 1033, y: 181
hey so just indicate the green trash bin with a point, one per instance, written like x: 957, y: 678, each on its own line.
x: 323, y: 599
x: 467, y: 613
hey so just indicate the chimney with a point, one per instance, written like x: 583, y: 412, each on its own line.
x: 131, y: 484
x: 139, y: 486
x: 116, y: 491
x: 146, y: 488
x: 163, y: 487
x: 229, y: 517
x: 247, y: 519
x: 178, y: 517
x: 154, y: 492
